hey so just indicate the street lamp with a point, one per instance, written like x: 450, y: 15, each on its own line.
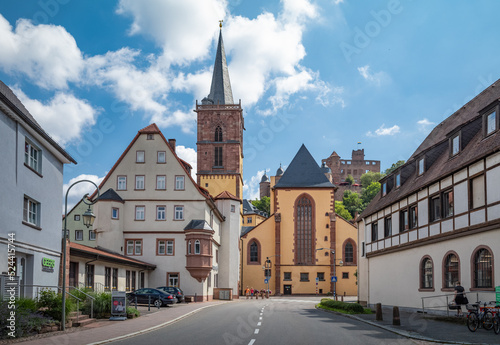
x: 341, y: 263
x: 88, y: 221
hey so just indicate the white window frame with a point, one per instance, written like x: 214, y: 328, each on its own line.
x: 161, y: 182
x: 121, y: 183
x: 140, y: 156
x: 91, y: 235
x: 32, y: 156
x: 491, y: 122
x: 78, y: 235
x: 189, y: 247
x: 113, y: 209
x: 134, y: 247
x: 179, y: 213
x: 455, y: 145
x: 421, y: 166
x: 162, y: 247
x: 197, y: 247
x: 31, y: 211
x: 179, y: 183
x: 398, y: 180
x: 161, y: 212
x: 140, y: 212
x: 169, y: 247
x: 139, y: 182
x: 161, y: 157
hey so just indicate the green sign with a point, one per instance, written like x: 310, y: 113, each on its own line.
x: 48, y: 265
x: 497, y: 290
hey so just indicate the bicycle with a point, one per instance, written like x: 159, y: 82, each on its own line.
x: 480, y: 317
x: 496, y: 318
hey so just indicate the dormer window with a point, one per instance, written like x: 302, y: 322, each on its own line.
x: 421, y: 166
x: 398, y: 180
x: 491, y: 123
x: 384, y: 189
x: 455, y: 145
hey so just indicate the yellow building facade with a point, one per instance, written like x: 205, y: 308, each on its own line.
x: 305, y: 241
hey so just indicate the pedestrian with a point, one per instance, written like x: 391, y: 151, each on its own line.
x: 251, y: 292
x: 460, y: 298
x: 247, y: 292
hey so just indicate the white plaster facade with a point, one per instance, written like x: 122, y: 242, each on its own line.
x: 36, y: 186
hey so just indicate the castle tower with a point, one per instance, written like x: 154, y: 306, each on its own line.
x: 220, y: 134
x: 265, y: 186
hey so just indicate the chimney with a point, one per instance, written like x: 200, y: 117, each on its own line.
x: 171, y: 142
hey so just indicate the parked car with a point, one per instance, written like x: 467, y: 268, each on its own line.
x: 157, y: 297
x: 174, y: 291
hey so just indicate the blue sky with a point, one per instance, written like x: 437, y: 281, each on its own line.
x: 326, y: 73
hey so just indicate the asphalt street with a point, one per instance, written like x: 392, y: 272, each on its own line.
x: 259, y: 322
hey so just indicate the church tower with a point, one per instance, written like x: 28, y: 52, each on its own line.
x: 220, y: 134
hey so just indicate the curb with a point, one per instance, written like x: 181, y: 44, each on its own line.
x: 153, y: 328
x: 397, y: 331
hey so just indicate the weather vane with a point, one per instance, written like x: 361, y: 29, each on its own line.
x: 220, y: 23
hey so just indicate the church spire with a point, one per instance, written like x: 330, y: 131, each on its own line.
x: 220, y: 91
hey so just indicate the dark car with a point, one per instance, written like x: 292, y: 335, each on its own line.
x: 174, y: 291
x: 155, y: 296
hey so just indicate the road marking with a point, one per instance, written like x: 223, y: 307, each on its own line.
x: 260, y: 318
x: 259, y: 324
x: 251, y: 342
x: 260, y: 314
x: 257, y: 331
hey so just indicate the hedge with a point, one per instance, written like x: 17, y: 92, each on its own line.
x: 354, y: 308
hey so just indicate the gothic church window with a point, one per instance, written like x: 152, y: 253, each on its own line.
x: 304, y: 235
x: 218, y: 134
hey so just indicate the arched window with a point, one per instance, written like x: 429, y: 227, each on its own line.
x: 218, y: 134
x: 349, y: 253
x: 426, y: 273
x: 254, y: 252
x: 189, y: 247
x: 483, y: 268
x: 304, y: 231
x: 197, y: 247
x: 451, y: 270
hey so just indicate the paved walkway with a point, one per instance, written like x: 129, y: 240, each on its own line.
x: 422, y: 327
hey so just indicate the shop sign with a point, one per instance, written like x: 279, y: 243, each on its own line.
x: 48, y: 265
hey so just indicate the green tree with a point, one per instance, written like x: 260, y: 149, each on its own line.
x: 264, y: 204
x: 352, y: 202
x: 369, y: 177
x: 349, y: 179
x: 394, y: 166
x: 369, y: 193
x: 341, y: 211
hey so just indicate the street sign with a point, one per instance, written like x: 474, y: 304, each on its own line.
x: 497, y: 291
x: 266, y: 281
x: 334, y: 279
x: 317, y: 279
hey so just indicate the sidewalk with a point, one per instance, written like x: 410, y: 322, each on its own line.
x: 104, y: 331
x: 429, y: 327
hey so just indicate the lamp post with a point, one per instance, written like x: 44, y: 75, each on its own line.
x: 88, y: 220
x: 334, y: 266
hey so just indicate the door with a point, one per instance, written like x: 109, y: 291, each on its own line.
x: 73, y: 274
x: 287, y: 289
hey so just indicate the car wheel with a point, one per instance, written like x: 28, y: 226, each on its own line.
x: 158, y: 303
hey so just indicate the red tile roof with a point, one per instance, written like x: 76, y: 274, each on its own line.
x: 226, y: 195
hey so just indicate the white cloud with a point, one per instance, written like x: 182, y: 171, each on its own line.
x: 376, y: 78
x: 64, y: 117
x: 189, y: 155
x: 251, y: 188
x: 425, y: 123
x: 47, y: 54
x: 382, y: 131
x: 185, y: 120
x: 184, y: 29
x: 77, y: 192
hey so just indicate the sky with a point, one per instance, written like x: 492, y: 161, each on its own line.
x: 325, y: 73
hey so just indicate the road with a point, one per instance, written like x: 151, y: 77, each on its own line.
x: 259, y: 322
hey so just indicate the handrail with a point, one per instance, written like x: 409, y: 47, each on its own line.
x: 92, y: 299
x: 475, y: 292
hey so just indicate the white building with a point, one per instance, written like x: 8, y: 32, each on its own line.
x: 436, y: 220
x: 152, y: 210
x: 31, y: 195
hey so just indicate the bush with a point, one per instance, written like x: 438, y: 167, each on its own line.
x: 132, y: 312
x: 352, y: 308
x: 102, y: 304
x: 28, y: 321
x: 51, y: 304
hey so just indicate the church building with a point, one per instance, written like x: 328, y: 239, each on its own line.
x: 306, y: 246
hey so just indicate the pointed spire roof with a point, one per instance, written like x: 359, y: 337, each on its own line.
x: 220, y: 91
x: 303, y: 171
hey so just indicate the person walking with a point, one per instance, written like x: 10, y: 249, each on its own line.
x: 460, y: 298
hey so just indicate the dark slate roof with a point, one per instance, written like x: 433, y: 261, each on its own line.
x: 110, y: 195
x: 303, y: 171
x: 220, y: 91
x: 11, y: 100
x: 435, y: 149
x: 264, y: 178
x: 246, y: 229
x: 198, y: 224
x: 249, y: 208
x: 280, y: 171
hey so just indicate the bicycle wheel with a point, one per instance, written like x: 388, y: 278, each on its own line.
x: 496, y: 323
x: 472, y: 321
x: 488, y: 320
